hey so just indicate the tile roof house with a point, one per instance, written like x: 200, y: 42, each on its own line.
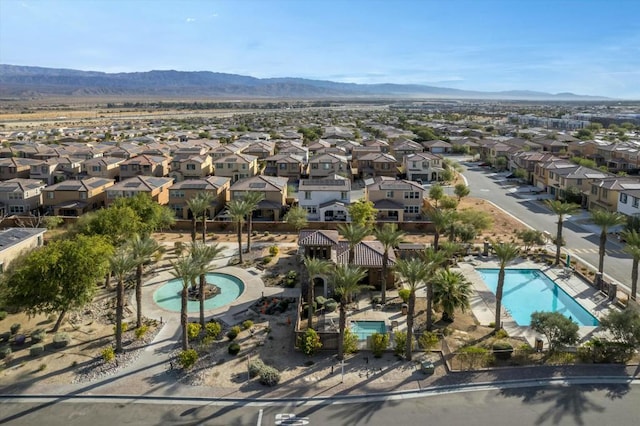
x: 273, y: 190
x: 145, y: 165
x: 290, y: 166
x: 375, y: 164
x: 11, y: 168
x: 325, y: 199
x: 20, y: 196
x: 104, y: 167
x: 156, y: 187
x: 76, y: 197
x: 605, y: 193
x: 193, y: 167
x: 181, y: 192
x: 16, y: 241
x: 236, y: 166
x: 423, y: 166
x: 325, y: 165
x: 395, y: 200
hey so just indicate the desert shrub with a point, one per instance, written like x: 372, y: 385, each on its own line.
x: 36, y: 349
x: 350, y: 342
x: 213, y: 329
x: 400, y: 340
x: 193, y: 330
x: 292, y: 275
x: 501, y: 334
x: 266, y: 233
x: 234, y: 348
x: 274, y: 250
x: 141, y: 331
x: 603, y: 351
x: 61, y: 340
x: 188, y: 358
x: 5, y: 351
x: 5, y: 337
x: 321, y: 300
x: 38, y: 335
x: 42, y: 367
x: 266, y: 260
x: 255, y: 367
x: 379, y: 343
x: 474, y: 356
x: 108, y: 354
x: 233, y: 333
x: 247, y: 324
x: 502, y: 349
x: 125, y: 327
x: 310, y: 342
x: 207, y: 341
x: 15, y: 328
x: 236, y: 329
x: 404, y: 294
x: 330, y: 305
x: 269, y: 376
x: 3, y: 315
x: 428, y: 340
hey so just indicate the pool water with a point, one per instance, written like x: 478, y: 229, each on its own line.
x: 168, y: 296
x: 364, y: 329
x: 529, y: 290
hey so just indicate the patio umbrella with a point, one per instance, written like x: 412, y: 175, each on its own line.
x: 568, y: 261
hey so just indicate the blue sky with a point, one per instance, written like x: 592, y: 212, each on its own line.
x: 580, y: 46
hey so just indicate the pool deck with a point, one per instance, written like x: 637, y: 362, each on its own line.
x: 483, y: 301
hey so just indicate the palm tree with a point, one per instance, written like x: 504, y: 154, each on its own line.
x: 238, y: 210
x: 143, y: 249
x: 346, y: 284
x: 412, y: 272
x: 121, y: 263
x: 433, y: 260
x: 197, y: 205
x: 441, y: 220
x: 605, y: 220
x: 207, y: 198
x: 506, y: 253
x: 186, y: 269
x: 451, y: 291
x: 252, y: 199
x: 390, y: 237
x: 632, y: 237
x: 354, y: 234
x: 315, y: 266
x: 561, y: 209
x: 203, y: 255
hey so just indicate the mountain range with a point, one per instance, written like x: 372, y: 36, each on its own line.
x: 29, y: 82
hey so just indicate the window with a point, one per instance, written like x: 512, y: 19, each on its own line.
x: 15, y: 196
x: 112, y: 194
x: 412, y: 209
x: 191, y: 166
x: 326, y: 166
x: 95, y: 168
x: 219, y: 165
x: 282, y: 166
x: 623, y: 198
x: 579, y: 182
x: 229, y: 165
x: 50, y: 195
x: 124, y: 167
x: 594, y: 190
x: 605, y: 193
x: 411, y: 195
x: 344, y: 195
x: 389, y: 194
x: 244, y: 167
x: 634, y: 203
x: 307, y: 195
x: 83, y: 195
x: 16, y: 209
x: 311, y: 210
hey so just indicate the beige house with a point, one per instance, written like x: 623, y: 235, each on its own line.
x: 376, y: 164
x: 273, y: 190
x: 290, y: 166
x: 194, y: 167
x: 11, y: 168
x: 156, y: 187
x: 236, y: 167
x: 423, y: 166
x: 605, y: 193
x: 76, y: 197
x: 104, y: 167
x: 145, y: 165
x: 15, y: 241
x: 260, y: 149
x: 20, y: 196
x: 325, y: 165
x: 181, y: 192
x: 395, y: 200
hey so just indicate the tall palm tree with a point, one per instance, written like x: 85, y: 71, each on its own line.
x: 203, y: 255
x: 390, y: 236
x: 252, y: 199
x: 238, y: 210
x: 315, y: 266
x: 346, y: 284
x: 207, y: 198
x: 632, y: 237
x: 441, y: 220
x: 561, y: 209
x: 412, y: 272
x: 197, y: 205
x: 354, y: 234
x: 451, y: 291
x: 121, y: 263
x: 143, y: 250
x: 433, y: 260
x: 506, y: 253
x: 605, y: 220
x: 186, y: 269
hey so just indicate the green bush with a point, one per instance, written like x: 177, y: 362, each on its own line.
x: 38, y: 335
x: 428, y: 340
x: 274, y: 250
x: 5, y: 337
x: 400, y: 340
x: 501, y: 334
x: 236, y: 329
x: 36, y: 349
x: 330, y: 305
x: 234, y: 349
x: 5, y: 351
x: 474, y: 356
x: 3, y: 315
x: 108, y: 354
x: 213, y: 329
x: 247, y: 324
x: 42, y: 367
x: 321, y: 300
x: 502, y: 349
x: 379, y: 343
x: 193, y: 330
x: 188, y: 358
x: 266, y: 260
x: 141, y: 331
x: 233, y: 333
x: 61, y: 340
x: 15, y: 328
x: 310, y: 342
x: 350, y: 342
x: 269, y: 376
x: 125, y: 327
x: 255, y: 367
x: 404, y: 294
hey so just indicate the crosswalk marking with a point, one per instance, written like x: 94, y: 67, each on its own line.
x: 595, y: 251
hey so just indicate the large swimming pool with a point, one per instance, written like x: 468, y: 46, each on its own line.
x: 529, y: 290
x: 169, y: 295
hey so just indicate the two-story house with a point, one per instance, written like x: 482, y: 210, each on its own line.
x: 325, y: 165
x: 12, y: 168
x: 145, y: 165
x: 423, y: 167
x: 274, y: 193
x: 376, y: 164
x: 295, y: 148
x: 395, y: 200
x: 325, y: 199
x: 155, y: 187
x: 20, y: 196
x: 260, y: 149
x: 405, y: 147
x: 193, y: 167
x: 104, y: 167
x: 181, y: 192
x: 605, y: 193
x: 629, y: 200
x: 76, y: 197
x: 236, y: 167
x: 290, y: 166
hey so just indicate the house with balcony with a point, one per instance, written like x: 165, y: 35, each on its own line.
x: 76, y: 197
x: 155, y: 187
x: 183, y: 191
x: 375, y: 164
x: 20, y: 196
x: 325, y: 165
x: 290, y: 166
x: 12, y: 168
x: 274, y: 195
x: 423, y: 167
x: 325, y: 199
x: 236, y: 167
x: 103, y: 167
x: 145, y: 165
x: 396, y: 200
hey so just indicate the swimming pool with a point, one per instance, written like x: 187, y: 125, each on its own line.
x: 364, y: 329
x: 168, y: 296
x: 529, y: 290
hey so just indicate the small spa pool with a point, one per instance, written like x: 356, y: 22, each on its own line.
x: 364, y: 329
x: 168, y: 296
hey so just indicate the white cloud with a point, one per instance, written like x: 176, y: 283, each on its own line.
x: 191, y: 20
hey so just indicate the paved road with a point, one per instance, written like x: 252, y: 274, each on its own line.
x: 580, y: 242
x: 564, y: 404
